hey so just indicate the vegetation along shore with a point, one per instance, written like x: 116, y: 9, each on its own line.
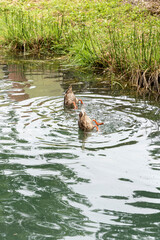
x: 118, y: 36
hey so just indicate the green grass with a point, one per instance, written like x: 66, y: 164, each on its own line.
x: 110, y: 35
x: 25, y: 31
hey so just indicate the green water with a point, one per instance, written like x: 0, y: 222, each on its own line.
x: 57, y: 182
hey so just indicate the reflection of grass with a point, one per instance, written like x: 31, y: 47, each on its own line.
x: 105, y: 34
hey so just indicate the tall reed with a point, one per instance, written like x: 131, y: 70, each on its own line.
x: 24, y: 30
x: 136, y: 54
x: 135, y: 49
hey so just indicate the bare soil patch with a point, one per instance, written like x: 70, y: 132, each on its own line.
x: 152, y: 5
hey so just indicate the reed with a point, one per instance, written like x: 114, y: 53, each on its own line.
x: 85, y: 49
x: 135, y: 54
x: 138, y: 55
x: 26, y: 31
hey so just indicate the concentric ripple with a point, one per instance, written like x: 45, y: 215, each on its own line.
x: 58, y: 182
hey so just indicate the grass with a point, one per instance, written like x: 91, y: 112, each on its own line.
x: 109, y: 35
x: 23, y: 31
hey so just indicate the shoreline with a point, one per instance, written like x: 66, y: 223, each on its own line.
x: 115, y: 37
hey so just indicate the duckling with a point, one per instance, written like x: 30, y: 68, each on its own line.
x: 70, y: 100
x: 85, y: 123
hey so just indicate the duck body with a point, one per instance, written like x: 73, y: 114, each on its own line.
x: 84, y: 122
x: 70, y: 99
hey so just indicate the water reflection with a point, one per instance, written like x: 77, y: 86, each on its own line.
x: 19, y: 82
x: 39, y: 201
x: 82, y: 136
x: 28, y: 82
x: 144, y: 227
x: 59, y: 182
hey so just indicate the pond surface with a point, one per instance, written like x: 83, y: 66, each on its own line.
x: 59, y: 183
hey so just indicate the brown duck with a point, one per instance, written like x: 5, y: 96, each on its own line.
x: 85, y: 123
x: 70, y: 99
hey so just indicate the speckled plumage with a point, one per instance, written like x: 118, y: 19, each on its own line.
x: 69, y: 99
x: 84, y: 122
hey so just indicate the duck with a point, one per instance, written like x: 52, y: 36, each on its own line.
x: 70, y: 99
x: 85, y: 123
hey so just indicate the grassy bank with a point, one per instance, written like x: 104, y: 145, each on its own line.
x: 109, y: 35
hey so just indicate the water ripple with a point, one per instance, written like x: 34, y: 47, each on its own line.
x: 59, y: 181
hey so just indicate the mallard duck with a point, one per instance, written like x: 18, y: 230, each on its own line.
x: 85, y: 123
x: 70, y: 99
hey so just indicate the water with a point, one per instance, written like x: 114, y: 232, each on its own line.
x: 57, y: 182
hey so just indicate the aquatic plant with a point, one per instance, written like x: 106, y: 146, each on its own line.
x: 138, y: 54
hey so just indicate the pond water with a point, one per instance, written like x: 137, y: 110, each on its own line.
x: 60, y: 183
